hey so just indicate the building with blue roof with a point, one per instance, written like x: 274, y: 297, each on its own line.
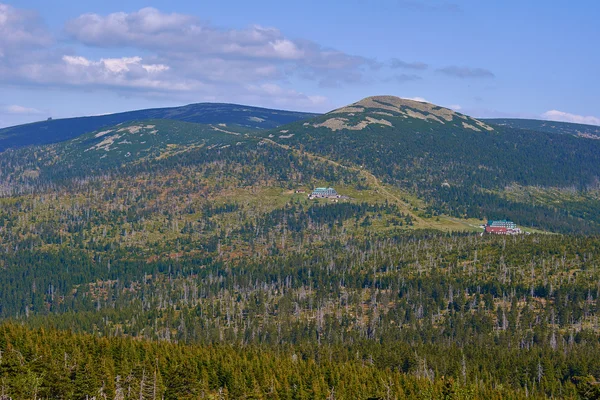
x: 503, y: 223
x: 324, y: 193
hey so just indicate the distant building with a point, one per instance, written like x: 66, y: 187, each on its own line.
x: 497, y: 230
x: 502, y: 227
x: 324, y: 193
x: 503, y: 223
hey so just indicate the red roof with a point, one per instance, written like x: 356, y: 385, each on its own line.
x: 496, y: 229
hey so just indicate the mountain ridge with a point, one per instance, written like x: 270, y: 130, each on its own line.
x: 455, y: 165
x: 568, y: 128
x: 58, y: 130
x: 377, y: 109
x: 458, y: 165
x: 260, y: 118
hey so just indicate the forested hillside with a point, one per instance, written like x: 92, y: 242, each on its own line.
x: 563, y: 128
x: 458, y: 165
x: 167, y: 259
x: 56, y: 364
x: 516, y: 314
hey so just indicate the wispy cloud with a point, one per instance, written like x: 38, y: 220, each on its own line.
x: 286, y: 97
x: 555, y: 115
x: 402, y: 78
x: 419, y: 99
x: 399, y: 64
x: 20, y: 110
x: 21, y: 29
x: 466, y: 72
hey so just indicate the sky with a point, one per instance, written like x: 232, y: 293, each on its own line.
x: 511, y: 58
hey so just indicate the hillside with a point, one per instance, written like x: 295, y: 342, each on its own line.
x: 119, y: 147
x: 459, y: 165
x: 384, y: 110
x: 563, y: 128
x: 53, y: 131
x: 195, y: 250
x: 428, y: 159
x: 440, y: 163
x: 150, y: 139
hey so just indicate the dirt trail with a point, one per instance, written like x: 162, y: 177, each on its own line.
x: 225, y: 131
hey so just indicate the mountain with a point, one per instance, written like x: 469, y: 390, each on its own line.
x: 460, y: 165
x: 195, y: 251
x: 384, y: 110
x: 563, y: 128
x: 138, y: 140
x: 455, y: 165
x: 53, y: 131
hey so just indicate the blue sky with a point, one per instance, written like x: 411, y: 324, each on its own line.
x: 533, y: 59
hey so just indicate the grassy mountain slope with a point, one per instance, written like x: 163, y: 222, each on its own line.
x: 457, y: 164
x: 563, y: 128
x: 441, y: 166
x: 58, y: 130
x: 113, y: 148
x: 140, y: 146
x: 132, y: 141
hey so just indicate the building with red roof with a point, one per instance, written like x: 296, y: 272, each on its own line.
x: 502, y: 227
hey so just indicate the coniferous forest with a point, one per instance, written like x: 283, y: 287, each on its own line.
x: 200, y: 268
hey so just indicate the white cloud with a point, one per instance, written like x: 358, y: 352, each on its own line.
x: 118, y: 29
x: 286, y: 49
x: 20, y: 29
x: 419, y: 99
x: 172, y: 56
x: 555, y: 115
x: 130, y: 72
x: 115, y: 65
x: 183, y: 38
x: 155, y: 68
x: 76, y: 60
x: 149, y: 28
x: 318, y: 100
x: 466, y: 72
x: 124, y: 73
x: 283, y: 97
x: 455, y: 107
x: 16, y: 109
x: 119, y: 65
